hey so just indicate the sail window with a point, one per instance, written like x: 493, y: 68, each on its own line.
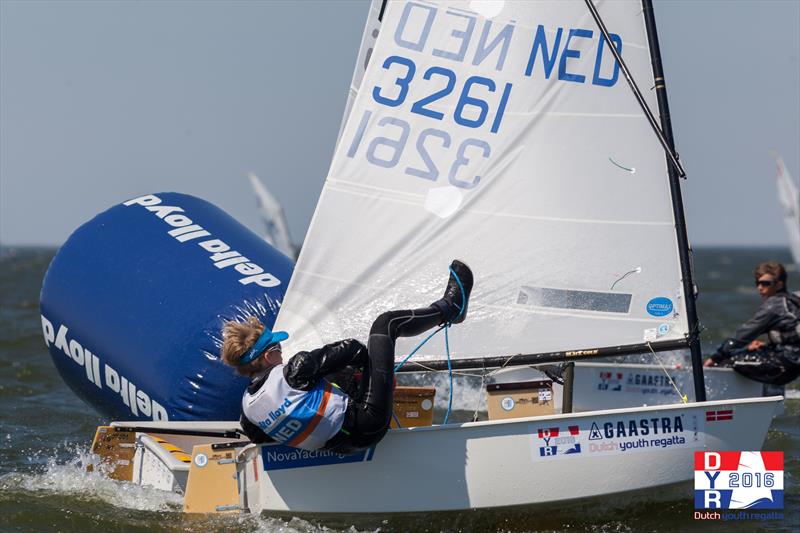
x: 607, y: 302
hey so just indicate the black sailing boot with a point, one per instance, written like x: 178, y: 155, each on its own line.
x: 453, y: 304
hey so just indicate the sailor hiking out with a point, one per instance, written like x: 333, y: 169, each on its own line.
x: 311, y: 401
x: 776, y: 362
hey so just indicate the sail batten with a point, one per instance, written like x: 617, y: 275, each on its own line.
x: 527, y: 157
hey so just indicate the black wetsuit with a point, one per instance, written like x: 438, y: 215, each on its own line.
x: 369, y: 406
x: 778, y: 362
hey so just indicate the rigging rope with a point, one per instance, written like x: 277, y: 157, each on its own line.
x: 684, y: 397
x: 399, y: 365
x: 450, y: 372
x: 444, y: 327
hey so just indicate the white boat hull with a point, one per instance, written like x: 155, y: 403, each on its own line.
x: 499, y: 463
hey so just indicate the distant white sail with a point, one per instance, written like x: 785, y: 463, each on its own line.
x: 277, y: 231
x: 789, y: 200
x: 515, y: 145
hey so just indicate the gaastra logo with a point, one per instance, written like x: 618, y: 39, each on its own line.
x: 222, y: 255
x: 648, y: 380
x: 634, y: 428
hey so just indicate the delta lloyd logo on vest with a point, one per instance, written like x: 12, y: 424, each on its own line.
x: 737, y: 480
x: 272, y: 416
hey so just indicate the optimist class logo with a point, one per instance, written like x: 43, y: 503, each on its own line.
x: 738, y: 480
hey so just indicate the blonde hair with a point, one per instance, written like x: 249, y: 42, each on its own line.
x: 237, y: 338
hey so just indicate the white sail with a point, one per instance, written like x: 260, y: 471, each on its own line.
x: 789, y: 200
x: 271, y: 211
x: 515, y: 145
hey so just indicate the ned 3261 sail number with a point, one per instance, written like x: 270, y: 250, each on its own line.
x: 478, y: 98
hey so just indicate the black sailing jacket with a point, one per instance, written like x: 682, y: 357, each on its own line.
x: 305, y: 369
x: 778, y: 316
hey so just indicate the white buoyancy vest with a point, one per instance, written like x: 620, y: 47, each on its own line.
x: 302, y: 419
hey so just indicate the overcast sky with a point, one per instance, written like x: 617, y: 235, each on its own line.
x: 103, y: 101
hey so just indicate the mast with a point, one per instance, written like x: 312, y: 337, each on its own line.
x: 677, y: 204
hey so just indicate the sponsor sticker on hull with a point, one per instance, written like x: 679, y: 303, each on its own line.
x: 279, y: 457
x: 617, y: 435
x: 645, y: 382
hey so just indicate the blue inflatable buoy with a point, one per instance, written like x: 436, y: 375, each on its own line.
x: 134, y: 301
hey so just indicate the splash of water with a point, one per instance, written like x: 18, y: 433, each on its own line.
x: 70, y: 478
x: 80, y: 491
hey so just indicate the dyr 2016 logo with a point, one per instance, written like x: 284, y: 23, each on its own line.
x: 738, y: 480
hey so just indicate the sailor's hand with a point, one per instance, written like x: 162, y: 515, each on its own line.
x: 709, y: 362
x: 755, y: 345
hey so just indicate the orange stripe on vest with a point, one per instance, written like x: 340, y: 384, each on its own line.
x: 317, y: 417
